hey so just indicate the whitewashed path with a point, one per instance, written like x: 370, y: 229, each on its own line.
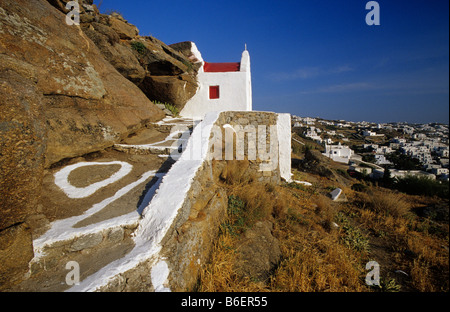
x: 109, y: 209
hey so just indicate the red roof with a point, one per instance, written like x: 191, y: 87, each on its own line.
x: 221, y: 67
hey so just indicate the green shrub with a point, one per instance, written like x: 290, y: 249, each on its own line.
x: 139, y: 47
x: 404, y: 162
x: 296, y: 186
x: 416, y: 185
x: 189, y: 66
x: 172, y: 108
x: 296, y: 148
x: 360, y: 187
x: 236, y: 221
x: 343, y: 173
x: 352, y: 237
x: 387, y: 285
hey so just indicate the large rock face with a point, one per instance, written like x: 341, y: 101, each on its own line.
x: 22, y: 144
x: 87, y: 103
x: 163, y: 73
x: 22, y: 147
x: 119, y: 55
x: 170, y: 77
x: 60, y: 98
x: 167, y: 89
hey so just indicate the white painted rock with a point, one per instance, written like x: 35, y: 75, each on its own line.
x: 335, y: 194
x: 303, y: 183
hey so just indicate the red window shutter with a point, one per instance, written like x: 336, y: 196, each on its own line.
x: 214, y: 92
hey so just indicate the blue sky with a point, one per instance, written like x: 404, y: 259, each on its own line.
x: 318, y: 58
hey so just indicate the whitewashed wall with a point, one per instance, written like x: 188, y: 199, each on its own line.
x: 284, y: 145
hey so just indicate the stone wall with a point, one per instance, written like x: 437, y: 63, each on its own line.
x: 248, y: 124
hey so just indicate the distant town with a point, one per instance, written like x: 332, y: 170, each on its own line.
x: 369, y: 148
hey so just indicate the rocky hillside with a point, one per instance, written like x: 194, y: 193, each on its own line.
x: 68, y: 91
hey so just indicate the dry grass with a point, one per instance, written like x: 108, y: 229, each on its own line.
x: 219, y: 274
x: 260, y: 202
x: 386, y: 202
x: 311, y: 269
x: 413, y: 244
x: 376, y: 224
x: 430, y: 264
x: 326, y: 210
x: 236, y: 173
x: 312, y: 257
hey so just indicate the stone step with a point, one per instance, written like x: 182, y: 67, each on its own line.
x: 146, y: 149
x: 168, y: 124
x: 88, y: 254
x: 176, y: 131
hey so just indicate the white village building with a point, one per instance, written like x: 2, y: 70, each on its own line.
x: 384, y: 150
x: 440, y: 171
x: 381, y: 160
x: 370, y: 133
x: 313, y: 135
x: 339, y: 153
x: 222, y: 87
